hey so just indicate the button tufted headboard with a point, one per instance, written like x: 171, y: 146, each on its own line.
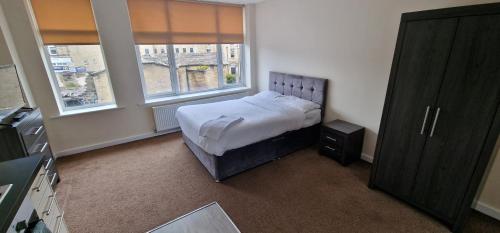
x: 308, y: 88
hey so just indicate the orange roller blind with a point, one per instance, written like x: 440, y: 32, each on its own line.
x: 230, y: 23
x: 65, y: 21
x: 185, y: 22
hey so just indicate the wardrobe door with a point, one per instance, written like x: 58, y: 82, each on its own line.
x: 424, y: 50
x: 468, y: 100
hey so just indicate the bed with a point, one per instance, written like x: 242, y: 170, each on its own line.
x: 267, y: 131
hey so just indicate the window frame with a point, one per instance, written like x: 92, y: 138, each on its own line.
x: 171, y: 52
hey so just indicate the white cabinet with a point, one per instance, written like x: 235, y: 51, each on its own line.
x: 45, y: 202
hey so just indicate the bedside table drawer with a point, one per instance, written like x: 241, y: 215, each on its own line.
x: 331, y: 138
x: 330, y: 150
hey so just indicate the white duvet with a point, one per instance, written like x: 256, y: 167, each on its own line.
x: 263, y: 118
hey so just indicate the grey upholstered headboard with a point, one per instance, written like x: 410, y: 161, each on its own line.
x: 308, y: 88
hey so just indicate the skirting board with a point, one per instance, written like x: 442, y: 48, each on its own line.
x: 115, y: 142
x: 367, y: 157
x: 487, y: 209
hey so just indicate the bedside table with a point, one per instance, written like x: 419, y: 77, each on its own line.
x: 341, y: 141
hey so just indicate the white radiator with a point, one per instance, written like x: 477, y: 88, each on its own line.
x: 165, y: 115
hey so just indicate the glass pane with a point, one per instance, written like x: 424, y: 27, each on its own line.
x: 156, y: 69
x: 231, y: 58
x: 81, y: 75
x: 196, y: 67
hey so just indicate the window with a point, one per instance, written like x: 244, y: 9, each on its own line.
x: 81, y: 76
x: 197, y: 71
x: 155, y: 50
x: 232, y: 63
x: 203, y: 53
x: 146, y: 51
x: 162, y: 50
x: 74, y: 55
x: 156, y: 72
x: 193, y: 72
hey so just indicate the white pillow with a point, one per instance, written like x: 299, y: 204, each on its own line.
x: 268, y: 94
x: 296, y: 102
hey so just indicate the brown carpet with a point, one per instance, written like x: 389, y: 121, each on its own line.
x: 137, y: 186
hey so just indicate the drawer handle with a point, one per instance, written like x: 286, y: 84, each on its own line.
x: 44, y: 147
x: 328, y: 147
x: 42, y: 176
x: 60, y: 217
x: 53, y: 180
x: 38, y: 130
x: 330, y: 138
x: 47, y: 212
x: 48, y: 164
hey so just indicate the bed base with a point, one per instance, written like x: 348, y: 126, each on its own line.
x: 241, y: 159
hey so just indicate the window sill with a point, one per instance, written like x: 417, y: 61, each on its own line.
x: 87, y: 110
x: 194, y: 96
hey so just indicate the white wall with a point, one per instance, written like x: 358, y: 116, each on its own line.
x: 132, y: 120
x: 5, y: 57
x: 8, y: 50
x: 350, y: 42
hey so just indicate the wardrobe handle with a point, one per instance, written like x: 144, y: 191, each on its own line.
x: 435, y: 122
x: 425, y: 120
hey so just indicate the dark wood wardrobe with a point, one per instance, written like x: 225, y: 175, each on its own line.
x: 441, y: 117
